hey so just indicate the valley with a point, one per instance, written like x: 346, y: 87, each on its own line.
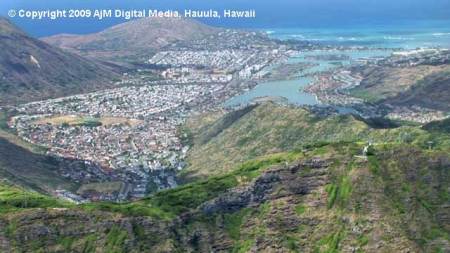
x: 169, y: 135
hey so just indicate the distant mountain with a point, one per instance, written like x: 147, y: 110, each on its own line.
x: 433, y: 91
x: 423, y: 85
x: 441, y: 126
x: 133, y: 38
x: 32, y: 70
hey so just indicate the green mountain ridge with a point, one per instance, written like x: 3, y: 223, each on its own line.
x: 270, y: 128
x: 322, y: 200
x: 298, y: 193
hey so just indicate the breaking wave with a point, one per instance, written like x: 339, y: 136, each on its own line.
x: 397, y: 38
x: 440, y: 34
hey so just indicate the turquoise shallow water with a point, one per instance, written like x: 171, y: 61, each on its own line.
x: 406, y: 36
x: 292, y: 89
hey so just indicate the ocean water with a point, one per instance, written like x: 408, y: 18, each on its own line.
x: 321, y: 14
x: 407, y: 35
x: 406, y: 24
x: 401, y: 36
x: 292, y: 90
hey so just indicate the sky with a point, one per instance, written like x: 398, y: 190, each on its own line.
x: 270, y: 13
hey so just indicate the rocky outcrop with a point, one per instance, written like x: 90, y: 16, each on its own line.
x: 4, y: 242
x: 50, y: 226
x: 263, y: 188
x: 333, y: 202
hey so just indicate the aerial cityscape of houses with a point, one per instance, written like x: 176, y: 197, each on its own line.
x: 125, y: 142
x: 130, y: 134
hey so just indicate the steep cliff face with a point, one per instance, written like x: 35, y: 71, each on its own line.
x: 325, y: 199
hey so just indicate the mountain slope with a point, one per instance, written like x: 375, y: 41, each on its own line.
x: 270, y: 128
x: 433, y: 92
x: 32, y: 70
x: 314, y: 197
x: 133, y: 38
x: 423, y: 85
x: 26, y: 164
x: 318, y: 200
x: 31, y: 170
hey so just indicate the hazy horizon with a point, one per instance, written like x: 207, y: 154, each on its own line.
x: 279, y: 14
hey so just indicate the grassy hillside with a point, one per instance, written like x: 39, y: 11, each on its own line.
x: 325, y: 199
x: 319, y: 195
x: 14, y: 198
x: 8, y: 135
x: 27, y: 165
x: 31, y: 170
x: 270, y: 128
x: 442, y: 126
x: 423, y: 85
x: 433, y: 91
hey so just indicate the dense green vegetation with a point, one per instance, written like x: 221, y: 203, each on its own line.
x: 442, y: 126
x: 354, y: 184
x: 269, y: 128
x: 13, y: 198
x: 115, y: 240
x: 394, y: 197
x: 3, y: 120
x: 90, y: 122
x: 169, y: 203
